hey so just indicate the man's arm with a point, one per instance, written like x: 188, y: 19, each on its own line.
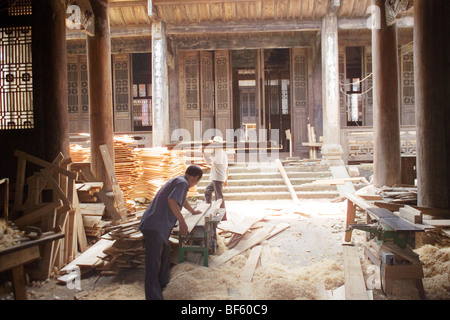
x: 175, y: 208
x: 189, y: 208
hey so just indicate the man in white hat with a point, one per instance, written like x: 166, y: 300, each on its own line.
x: 219, y: 171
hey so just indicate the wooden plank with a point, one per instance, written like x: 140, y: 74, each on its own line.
x: 20, y: 182
x: 244, y: 225
x: 118, y: 195
x: 355, y: 287
x: 287, y: 182
x: 411, y: 214
x: 192, y: 220
x: 45, y: 164
x: 90, y: 258
x: 252, y: 262
x: 38, y: 214
x: 438, y: 223
x: 339, y: 172
x: 18, y: 257
x: 248, y: 241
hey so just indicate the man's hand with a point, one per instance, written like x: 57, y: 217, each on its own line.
x: 195, y: 212
x: 183, y: 228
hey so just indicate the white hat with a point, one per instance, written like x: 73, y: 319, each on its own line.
x: 217, y: 139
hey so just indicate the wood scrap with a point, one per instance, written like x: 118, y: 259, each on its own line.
x: 248, y: 241
x: 250, y: 266
x: 355, y: 287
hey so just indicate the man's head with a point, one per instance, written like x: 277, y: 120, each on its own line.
x: 193, y: 175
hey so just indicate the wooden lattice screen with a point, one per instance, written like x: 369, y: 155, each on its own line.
x: 16, y: 86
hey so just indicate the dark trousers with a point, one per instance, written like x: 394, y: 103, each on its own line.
x: 157, y: 264
x: 216, y: 187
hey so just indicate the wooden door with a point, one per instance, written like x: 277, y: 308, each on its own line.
x: 122, y: 92
x: 366, y: 88
x: 223, y: 106
x: 207, y: 90
x: 299, y: 88
x: 78, y: 94
x: 189, y: 91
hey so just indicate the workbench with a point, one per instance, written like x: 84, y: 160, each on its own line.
x: 202, y: 235
x: 388, y: 242
x: 15, y: 257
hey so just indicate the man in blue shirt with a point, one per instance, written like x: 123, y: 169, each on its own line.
x: 157, y: 223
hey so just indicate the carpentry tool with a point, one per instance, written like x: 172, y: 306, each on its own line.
x: 387, y: 227
x: 394, y: 237
x: 202, y: 236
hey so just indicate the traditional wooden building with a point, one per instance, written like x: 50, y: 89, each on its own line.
x: 251, y: 69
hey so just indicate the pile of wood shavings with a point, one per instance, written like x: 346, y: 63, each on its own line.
x: 8, y: 236
x: 436, y: 269
x: 273, y: 282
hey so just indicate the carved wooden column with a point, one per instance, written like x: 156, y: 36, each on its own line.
x: 386, y: 122
x: 332, y: 148
x: 50, y: 76
x: 432, y: 94
x: 100, y: 90
x: 160, y: 89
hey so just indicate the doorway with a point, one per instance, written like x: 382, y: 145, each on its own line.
x: 261, y: 83
x: 277, y: 94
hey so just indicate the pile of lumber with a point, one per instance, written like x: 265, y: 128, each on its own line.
x: 140, y: 172
x: 126, y: 167
x: 127, y: 251
x: 87, y: 191
x: 157, y: 166
x: 399, y: 194
x: 94, y: 224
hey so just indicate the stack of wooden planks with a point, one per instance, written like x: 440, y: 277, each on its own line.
x: 126, y: 167
x: 400, y: 194
x: 94, y: 224
x: 87, y: 191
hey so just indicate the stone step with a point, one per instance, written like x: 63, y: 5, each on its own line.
x: 272, y: 188
x: 276, y: 195
x: 263, y: 181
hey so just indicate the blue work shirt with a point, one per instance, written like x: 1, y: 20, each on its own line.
x: 158, y: 216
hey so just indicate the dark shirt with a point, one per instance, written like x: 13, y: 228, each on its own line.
x: 158, y: 216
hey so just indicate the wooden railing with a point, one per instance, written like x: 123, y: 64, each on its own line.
x: 358, y: 142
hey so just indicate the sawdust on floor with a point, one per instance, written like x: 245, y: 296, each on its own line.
x: 305, y: 260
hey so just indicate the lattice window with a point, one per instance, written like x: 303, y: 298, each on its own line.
x: 121, y: 86
x: 16, y: 86
x: 19, y: 7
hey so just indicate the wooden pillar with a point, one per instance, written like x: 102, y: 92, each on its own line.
x: 432, y: 94
x: 160, y: 89
x: 386, y: 122
x: 50, y: 76
x: 331, y: 149
x: 100, y: 90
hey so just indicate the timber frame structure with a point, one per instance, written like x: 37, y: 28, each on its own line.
x: 348, y: 68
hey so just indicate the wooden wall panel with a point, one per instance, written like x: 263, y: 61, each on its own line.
x: 407, y: 102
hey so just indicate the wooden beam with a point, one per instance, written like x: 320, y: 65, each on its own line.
x: 245, y: 27
x: 355, y: 287
x: 287, y: 182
